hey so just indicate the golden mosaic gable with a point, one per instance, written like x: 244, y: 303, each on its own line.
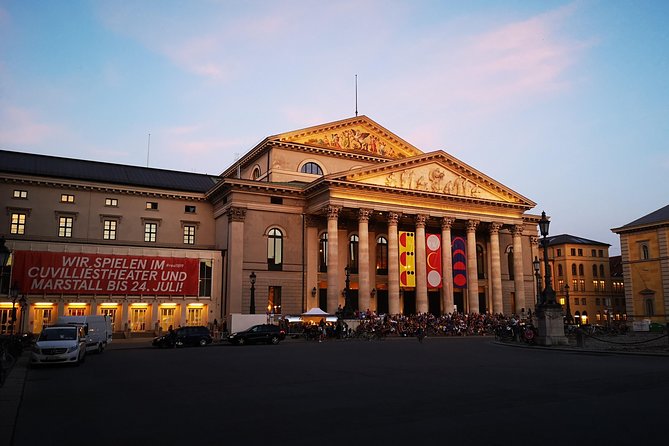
x: 359, y: 135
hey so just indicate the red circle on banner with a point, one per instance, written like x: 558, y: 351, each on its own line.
x: 460, y: 280
x: 403, y: 278
x: 403, y: 239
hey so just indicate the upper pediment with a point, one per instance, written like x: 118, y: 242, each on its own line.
x: 435, y: 172
x: 359, y: 134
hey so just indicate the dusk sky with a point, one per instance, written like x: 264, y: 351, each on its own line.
x: 565, y: 102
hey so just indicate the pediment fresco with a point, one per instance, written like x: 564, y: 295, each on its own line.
x: 360, y: 134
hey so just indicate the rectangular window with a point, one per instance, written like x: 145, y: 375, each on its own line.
x: 109, y: 231
x: 65, y: 225
x: 601, y: 253
x: 205, y: 278
x: 66, y: 198
x: 189, y: 235
x: 582, y: 283
x: 583, y: 301
x: 276, y: 200
x: 152, y: 205
x: 580, y: 252
x: 189, y: 209
x: 602, y: 286
x: 595, y: 285
x: 111, y: 202
x: 559, y: 252
x: 594, y: 253
x: 20, y: 194
x: 150, y: 232
x: 597, y: 301
x: 274, y: 299
x: 194, y: 316
x: 561, y: 285
x: 573, y: 251
x: 574, y: 285
x: 18, y: 225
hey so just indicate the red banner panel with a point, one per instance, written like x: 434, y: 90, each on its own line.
x: 433, y: 260
x: 67, y: 273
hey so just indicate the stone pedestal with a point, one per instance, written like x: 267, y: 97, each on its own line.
x: 550, y: 325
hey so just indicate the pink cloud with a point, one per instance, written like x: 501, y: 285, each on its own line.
x: 21, y: 127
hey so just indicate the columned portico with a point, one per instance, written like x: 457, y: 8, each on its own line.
x: 333, y: 258
x: 496, y: 269
x: 472, y: 270
x: 447, y: 264
x: 393, y: 264
x: 421, y: 266
x: 363, y: 258
x: 518, y: 276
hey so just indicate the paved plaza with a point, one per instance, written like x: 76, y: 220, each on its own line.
x: 352, y: 392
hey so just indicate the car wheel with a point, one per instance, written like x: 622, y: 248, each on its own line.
x: 274, y: 340
x: 241, y: 341
x: 203, y: 342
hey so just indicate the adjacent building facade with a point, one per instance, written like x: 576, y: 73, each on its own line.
x: 305, y: 219
x: 644, y: 245
x: 582, y: 273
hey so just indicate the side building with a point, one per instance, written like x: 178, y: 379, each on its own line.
x: 644, y: 245
x: 582, y: 277
x: 87, y: 237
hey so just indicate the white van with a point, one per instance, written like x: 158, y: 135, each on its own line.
x: 98, y: 330
x: 59, y: 344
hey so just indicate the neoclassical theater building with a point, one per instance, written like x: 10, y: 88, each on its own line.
x: 297, y: 222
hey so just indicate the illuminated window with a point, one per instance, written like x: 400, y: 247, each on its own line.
x: 353, y: 253
x: 274, y: 299
x: 66, y: 198
x: 189, y: 234
x: 20, y: 194
x: 582, y: 283
x: 205, y: 278
x: 152, y: 205
x: 18, y: 223
x: 65, y: 225
x: 382, y: 256
x: 150, y: 232
x: 323, y: 253
x: 109, y: 229
x: 113, y: 202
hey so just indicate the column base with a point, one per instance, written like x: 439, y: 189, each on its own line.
x: 550, y: 325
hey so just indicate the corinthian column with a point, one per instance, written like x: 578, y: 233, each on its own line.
x: 333, y: 258
x: 496, y: 269
x: 447, y: 264
x: 421, y: 266
x: 518, y: 277
x: 363, y: 258
x: 393, y: 264
x: 472, y: 270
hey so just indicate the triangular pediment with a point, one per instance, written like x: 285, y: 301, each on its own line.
x: 437, y: 173
x: 359, y: 135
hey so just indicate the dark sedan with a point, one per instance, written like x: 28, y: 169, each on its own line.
x: 266, y: 333
x: 184, y: 336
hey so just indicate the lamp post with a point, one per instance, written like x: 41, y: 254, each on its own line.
x: 252, y: 305
x: 22, y: 305
x: 548, y: 293
x: 567, y: 307
x: 13, y: 293
x: 4, y: 258
x: 348, y: 310
x: 537, y: 276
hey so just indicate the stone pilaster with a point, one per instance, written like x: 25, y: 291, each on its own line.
x: 421, y: 265
x: 333, y: 258
x: 393, y: 264
x: 496, y: 268
x: 363, y: 259
x: 518, y: 276
x: 447, y: 264
x: 472, y: 270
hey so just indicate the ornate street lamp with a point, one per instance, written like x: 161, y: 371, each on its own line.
x: 5, y: 253
x: 22, y: 305
x: 348, y: 309
x: 13, y: 293
x: 567, y: 307
x: 252, y: 306
x: 548, y: 293
x: 536, y: 264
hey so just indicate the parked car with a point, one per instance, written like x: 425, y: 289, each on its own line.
x: 184, y: 336
x: 271, y: 334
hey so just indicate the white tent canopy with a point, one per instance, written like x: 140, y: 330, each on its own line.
x: 315, y: 312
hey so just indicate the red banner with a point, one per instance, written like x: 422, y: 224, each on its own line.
x: 66, y: 273
x: 433, y: 260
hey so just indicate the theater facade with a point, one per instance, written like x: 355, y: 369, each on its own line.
x: 341, y: 212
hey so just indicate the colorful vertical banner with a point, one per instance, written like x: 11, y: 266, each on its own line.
x: 407, y: 242
x: 459, y: 263
x: 433, y: 260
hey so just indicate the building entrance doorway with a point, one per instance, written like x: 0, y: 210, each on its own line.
x: 382, y: 302
x: 482, y: 303
x: 459, y: 301
x: 409, y: 304
x: 434, y: 303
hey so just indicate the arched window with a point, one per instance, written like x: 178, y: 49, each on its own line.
x: 601, y: 271
x: 480, y: 262
x: 594, y: 270
x: 274, y: 249
x: 559, y: 270
x: 645, y: 253
x: 650, y: 311
x: 323, y: 253
x: 382, y: 256
x: 509, y: 259
x: 256, y: 173
x: 312, y: 168
x: 573, y: 269
x: 581, y: 271
x: 353, y: 253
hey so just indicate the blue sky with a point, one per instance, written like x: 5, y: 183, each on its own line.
x: 565, y: 102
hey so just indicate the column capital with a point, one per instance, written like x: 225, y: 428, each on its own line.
x: 494, y: 227
x: 332, y: 212
x: 472, y: 225
x: 447, y: 222
x: 393, y: 217
x: 364, y: 214
x: 420, y: 220
x: 236, y: 214
x: 534, y: 240
x: 518, y: 230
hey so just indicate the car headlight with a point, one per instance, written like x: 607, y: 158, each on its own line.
x: 74, y: 348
